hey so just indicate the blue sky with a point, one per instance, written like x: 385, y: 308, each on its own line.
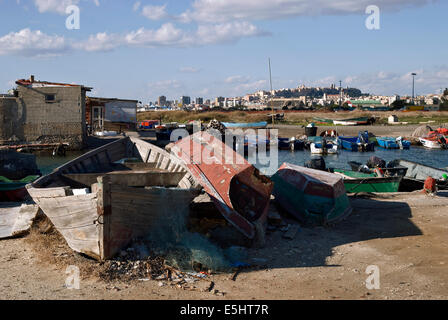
x: 143, y: 49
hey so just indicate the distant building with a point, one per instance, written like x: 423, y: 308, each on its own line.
x: 219, y: 101
x: 161, y: 101
x: 185, y: 101
x: 199, y: 101
x: 110, y: 114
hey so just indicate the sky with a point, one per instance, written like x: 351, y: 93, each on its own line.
x: 207, y: 48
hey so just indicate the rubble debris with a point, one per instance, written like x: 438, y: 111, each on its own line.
x: 292, y: 231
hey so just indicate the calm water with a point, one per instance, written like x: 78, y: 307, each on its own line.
x: 48, y: 163
x: 433, y: 158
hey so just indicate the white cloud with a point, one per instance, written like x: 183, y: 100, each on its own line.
x: 188, y: 70
x: 237, y: 79
x: 56, y: 6
x: 100, y: 42
x: 168, y: 35
x: 154, y: 12
x: 30, y: 43
x: 136, y: 6
x: 230, y: 10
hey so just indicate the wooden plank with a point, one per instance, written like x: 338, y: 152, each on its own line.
x: 38, y: 193
x: 16, y: 219
x: 148, y: 178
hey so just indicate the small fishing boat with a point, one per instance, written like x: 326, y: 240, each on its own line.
x: 14, y: 190
x: 356, y: 182
x: 297, y: 145
x: 435, y: 141
x: 312, y: 196
x: 284, y: 144
x: 352, y: 122
x: 323, y: 120
x: 360, y: 143
x: 237, y: 188
x: 252, y: 125
x: 99, y: 202
x: 392, y: 143
x: 324, y: 147
x: 417, y: 173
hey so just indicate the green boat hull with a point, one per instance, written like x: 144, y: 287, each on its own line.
x: 362, y: 182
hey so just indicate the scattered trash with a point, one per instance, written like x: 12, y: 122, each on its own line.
x: 291, y: 233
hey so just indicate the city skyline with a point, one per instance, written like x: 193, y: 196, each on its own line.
x: 145, y: 49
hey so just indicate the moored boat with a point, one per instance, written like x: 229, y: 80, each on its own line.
x: 356, y: 182
x: 392, y: 143
x: 237, y: 188
x: 324, y: 147
x: 14, y: 190
x: 253, y: 125
x: 434, y: 142
x: 360, y: 143
x: 312, y: 196
x: 352, y: 122
x: 100, y: 203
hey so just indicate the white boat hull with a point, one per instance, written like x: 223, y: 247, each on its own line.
x: 316, y: 150
x: 430, y: 144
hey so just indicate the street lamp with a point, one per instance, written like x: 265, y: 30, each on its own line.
x: 413, y: 86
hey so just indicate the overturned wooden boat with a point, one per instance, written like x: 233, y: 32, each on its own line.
x: 314, y: 197
x: 100, y: 203
x: 237, y: 188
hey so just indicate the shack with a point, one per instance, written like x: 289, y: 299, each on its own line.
x: 44, y: 112
x: 111, y: 114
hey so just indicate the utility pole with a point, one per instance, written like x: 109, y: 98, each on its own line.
x: 340, y: 93
x: 270, y: 81
x: 413, y: 87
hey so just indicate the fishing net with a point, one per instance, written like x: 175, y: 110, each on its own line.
x: 185, y: 250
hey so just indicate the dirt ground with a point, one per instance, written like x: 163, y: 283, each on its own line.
x: 404, y: 235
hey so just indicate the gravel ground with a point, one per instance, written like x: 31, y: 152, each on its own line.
x: 404, y: 235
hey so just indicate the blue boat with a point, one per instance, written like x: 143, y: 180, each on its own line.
x: 231, y: 125
x: 392, y: 143
x: 360, y: 143
x: 284, y: 144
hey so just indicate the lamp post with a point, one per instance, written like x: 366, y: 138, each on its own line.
x: 413, y: 87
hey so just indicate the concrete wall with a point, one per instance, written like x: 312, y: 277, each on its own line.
x: 30, y: 118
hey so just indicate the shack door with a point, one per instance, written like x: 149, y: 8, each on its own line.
x: 98, y: 119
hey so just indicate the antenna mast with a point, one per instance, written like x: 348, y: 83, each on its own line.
x: 270, y: 81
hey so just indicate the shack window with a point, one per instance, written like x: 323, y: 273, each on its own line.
x: 50, y: 97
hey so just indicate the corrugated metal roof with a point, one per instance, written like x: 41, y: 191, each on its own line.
x: 43, y: 84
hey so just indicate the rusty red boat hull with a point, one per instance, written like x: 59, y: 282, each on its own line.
x: 239, y: 191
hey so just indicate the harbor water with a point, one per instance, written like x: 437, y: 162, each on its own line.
x: 433, y: 158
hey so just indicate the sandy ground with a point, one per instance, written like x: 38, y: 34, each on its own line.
x: 404, y: 235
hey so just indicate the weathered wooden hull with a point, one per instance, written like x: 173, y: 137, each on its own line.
x: 239, y: 191
x: 118, y: 206
x: 314, y: 197
x: 421, y: 172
